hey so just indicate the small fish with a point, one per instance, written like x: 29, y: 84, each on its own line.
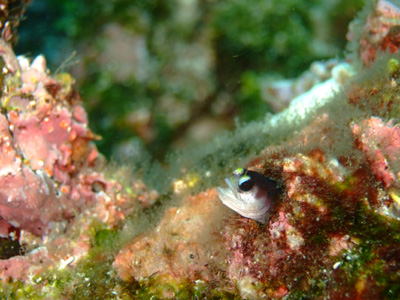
x: 249, y: 193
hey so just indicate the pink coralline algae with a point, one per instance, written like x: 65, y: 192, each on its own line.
x: 378, y: 34
x: 51, y: 184
x: 54, y: 194
x: 45, y: 140
x: 381, y: 143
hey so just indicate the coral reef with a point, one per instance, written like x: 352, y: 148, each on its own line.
x: 75, y: 227
x: 53, y: 189
x: 378, y: 34
x: 334, y: 232
x: 45, y: 141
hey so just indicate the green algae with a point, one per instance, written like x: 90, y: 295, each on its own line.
x: 95, y: 280
x: 49, y: 284
x: 106, y: 239
x: 378, y: 230
x: 153, y: 288
x: 393, y: 66
x: 362, y: 263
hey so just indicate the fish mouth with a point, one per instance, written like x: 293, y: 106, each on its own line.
x: 232, y: 187
x: 229, y: 196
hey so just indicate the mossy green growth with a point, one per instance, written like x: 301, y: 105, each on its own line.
x: 94, y: 279
x: 105, y: 242
x: 51, y: 284
x: 376, y: 229
x: 393, y: 66
x: 106, y: 239
x: 369, y: 261
x: 154, y: 288
x: 377, y: 248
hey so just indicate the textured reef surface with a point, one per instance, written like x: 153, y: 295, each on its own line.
x: 73, y: 226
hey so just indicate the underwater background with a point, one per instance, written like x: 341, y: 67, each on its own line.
x: 157, y: 76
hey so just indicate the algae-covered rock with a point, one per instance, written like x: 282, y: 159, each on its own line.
x: 333, y: 232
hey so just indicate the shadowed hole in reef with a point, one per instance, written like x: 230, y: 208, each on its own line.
x: 9, y: 245
x: 10, y: 248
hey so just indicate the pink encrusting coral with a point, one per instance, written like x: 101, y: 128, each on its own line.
x: 43, y: 145
x: 378, y: 33
x: 381, y: 143
x: 52, y: 183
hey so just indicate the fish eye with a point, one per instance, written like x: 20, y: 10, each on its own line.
x: 238, y: 172
x: 245, y: 183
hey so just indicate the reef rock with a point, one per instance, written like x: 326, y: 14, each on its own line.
x: 332, y: 233
x: 45, y: 140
